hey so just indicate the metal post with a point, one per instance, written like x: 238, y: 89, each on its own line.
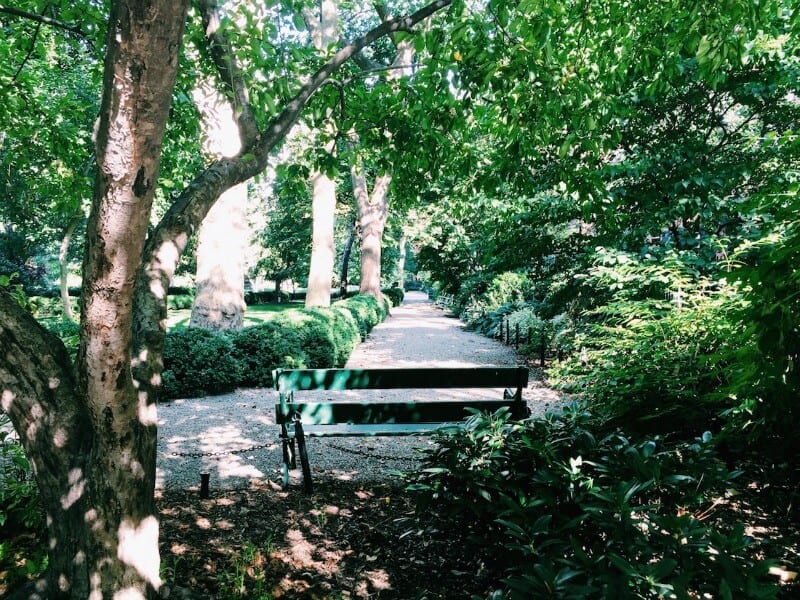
x: 204, y: 487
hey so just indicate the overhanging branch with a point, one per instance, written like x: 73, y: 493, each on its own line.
x: 43, y: 19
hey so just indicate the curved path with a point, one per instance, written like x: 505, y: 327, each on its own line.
x: 238, y: 439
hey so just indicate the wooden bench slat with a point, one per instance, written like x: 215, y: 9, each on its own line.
x: 330, y: 413
x: 401, y: 378
x: 387, y: 429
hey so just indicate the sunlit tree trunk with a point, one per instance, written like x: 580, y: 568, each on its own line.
x: 88, y: 432
x: 372, y: 212
x: 401, y: 265
x: 324, y: 33
x: 63, y: 264
x: 223, y: 237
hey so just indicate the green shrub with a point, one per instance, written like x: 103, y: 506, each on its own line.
x: 198, y: 362
x: 180, y: 301
x: 345, y: 331
x: 561, y: 513
x: 68, y: 331
x: 366, y: 311
x: 20, y: 506
x: 395, y: 295
x: 262, y: 348
x: 315, y: 333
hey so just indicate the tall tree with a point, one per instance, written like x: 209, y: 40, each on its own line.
x: 89, y: 427
x: 324, y: 33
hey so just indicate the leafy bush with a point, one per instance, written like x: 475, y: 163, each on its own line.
x: 561, y: 513
x: 315, y: 334
x: 20, y: 506
x: 262, y: 348
x: 366, y: 310
x: 654, y: 366
x: 180, y: 301
x: 198, y: 362
x: 395, y: 295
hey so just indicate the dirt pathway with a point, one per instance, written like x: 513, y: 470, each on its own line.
x: 238, y: 440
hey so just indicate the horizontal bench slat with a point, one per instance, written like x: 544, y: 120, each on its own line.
x: 329, y: 413
x: 375, y: 379
x: 386, y: 429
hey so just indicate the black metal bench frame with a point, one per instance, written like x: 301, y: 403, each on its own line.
x: 299, y: 420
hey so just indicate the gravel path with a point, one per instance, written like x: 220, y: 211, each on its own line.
x: 416, y: 334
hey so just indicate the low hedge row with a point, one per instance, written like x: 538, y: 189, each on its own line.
x: 199, y: 362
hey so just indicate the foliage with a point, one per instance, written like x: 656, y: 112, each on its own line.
x: 198, y: 362
x: 559, y: 511
x: 20, y: 507
x: 67, y: 331
x: 180, y: 301
x: 262, y: 348
x: 655, y: 361
x: 395, y: 295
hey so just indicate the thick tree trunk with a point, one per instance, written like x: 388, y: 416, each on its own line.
x: 223, y: 237
x: 222, y: 242
x: 63, y: 265
x: 90, y: 435
x: 372, y: 213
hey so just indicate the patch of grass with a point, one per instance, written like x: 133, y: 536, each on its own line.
x: 255, y: 315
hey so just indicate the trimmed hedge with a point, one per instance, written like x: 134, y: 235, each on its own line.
x: 395, y: 295
x: 199, y: 362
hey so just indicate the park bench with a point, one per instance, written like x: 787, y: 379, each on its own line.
x: 348, y: 417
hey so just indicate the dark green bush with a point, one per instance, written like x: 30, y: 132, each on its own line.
x: 180, y: 301
x: 316, y: 335
x: 561, y: 513
x: 366, y: 310
x: 198, y: 362
x: 395, y: 295
x: 262, y: 348
x: 344, y: 329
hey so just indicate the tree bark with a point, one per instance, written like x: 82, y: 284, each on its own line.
x: 372, y: 212
x: 323, y: 251
x: 89, y: 433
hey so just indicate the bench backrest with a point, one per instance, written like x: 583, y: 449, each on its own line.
x: 401, y: 378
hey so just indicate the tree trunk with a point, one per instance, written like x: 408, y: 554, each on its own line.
x: 223, y: 237
x: 372, y: 213
x: 323, y: 251
x: 222, y: 241
x: 90, y: 435
x: 63, y: 264
x: 324, y: 33
x: 346, y: 252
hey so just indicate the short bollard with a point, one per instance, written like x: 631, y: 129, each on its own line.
x: 204, y: 478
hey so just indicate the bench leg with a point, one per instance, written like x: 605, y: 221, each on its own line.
x: 286, y: 461
x: 301, y: 448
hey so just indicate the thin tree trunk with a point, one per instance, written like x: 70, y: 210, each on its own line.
x: 346, y: 252
x: 401, y: 265
x: 63, y: 265
x: 324, y: 33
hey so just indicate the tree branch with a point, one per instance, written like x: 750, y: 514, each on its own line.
x: 169, y: 239
x: 229, y: 72
x: 43, y: 19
